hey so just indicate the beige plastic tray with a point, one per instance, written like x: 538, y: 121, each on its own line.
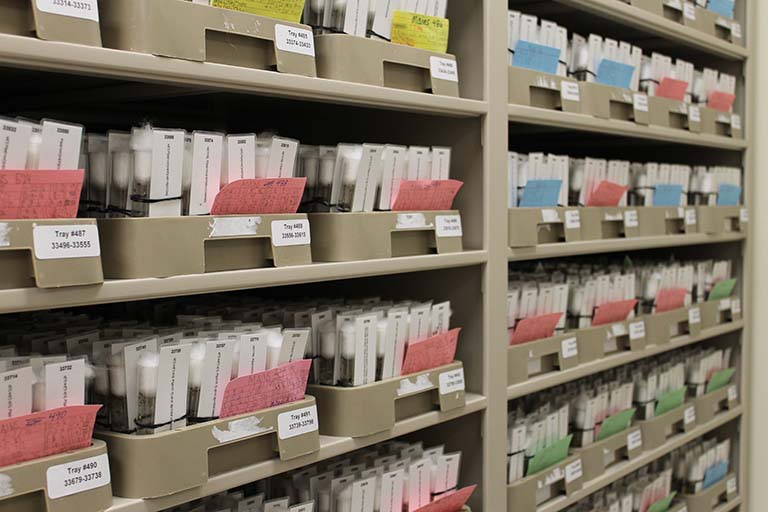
x: 711, y: 404
x: 28, y: 487
x: 660, y: 328
x: 538, y: 89
x: 140, y: 463
x: 529, y: 227
x: 659, y: 430
x: 23, y: 18
x: 715, y: 122
x: 675, y: 220
x: 374, y: 235
x: 186, y: 30
x: 603, y: 223
x: 671, y: 113
x: 598, y: 457
x: 716, y: 220
x: 172, y: 246
x: 597, y: 342
x: 532, y: 491
x: 370, y: 61
x: 711, y: 499
x: 607, y: 102
x: 718, y: 312
x: 365, y: 410
x: 22, y: 269
x: 538, y: 357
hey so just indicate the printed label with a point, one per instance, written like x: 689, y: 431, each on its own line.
x: 294, y: 40
x: 725, y: 304
x: 77, y: 476
x: 634, y: 440
x: 694, y: 316
x: 733, y: 393
x: 730, y: 486
x: 572, y: 219
x: 689, y: 11
x: 736, y: 121
x: 66, y: 241
x: 573, y: 471
x: 451, y: 382
x: 569, y: 91
x: 640, y: 101
x: 290, y: 232
x: 630, y: 219
x: 448, y: 226
x: 690, y: 217
x: 743, y: 215
x: 637, y: 330
x: 736, y: 29
x: 443, y: 69
x: 689, y: 416
x: 295, y: 423
x: 736, y: 306
x: 570, y: 348
x: 83, y: 9
x: 694, y: 114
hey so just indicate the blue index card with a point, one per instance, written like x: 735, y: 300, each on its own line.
x: 728, y: 195
x: 667, y: 195
x: 721, y: 7
x: 541, y: 193
x: 536, y: 56
x: 714, y: 474
x: 616, y: 74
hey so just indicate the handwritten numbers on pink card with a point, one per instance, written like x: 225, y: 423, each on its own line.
x: 426, y: 195
x: 430, y: 353
x: 284, y: 384
x: 450, y: 502
x: 613, y: 312
x: 535, y: 328
x: 607, y: 193
x: 40, y: 194
x: 259, y: 196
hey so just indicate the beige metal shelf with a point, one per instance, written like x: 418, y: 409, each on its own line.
x: 535, y: 384
x: 29, y: 299
x: 32, y: 53
x: 623, y: 469
x: 629, y: 15
x: 329, y: 447
x: 584, y: 122
x: 559, y: 250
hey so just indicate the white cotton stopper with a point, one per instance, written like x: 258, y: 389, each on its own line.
x: 148, y: 365
x: 344, y: 500
x: 381, y: 337
x: 262, y: 160
x: 33, y: 151
x: 351, y: 166
x: 326, y: 169
x: 196, y: 358
x: 89, y: 375
x: 38, y: 394
x: 274, y: 344
x: 98, y: 169
x: 102, y: 380
x: 121, y: 168
x: 186, y: 165
x: 707, y: 183
x: 141, y: 145
x: 117, y: 375
x: 348, y: 340
x: 328, y: 340
x: 581, y: 60
x: 235, y: 360
x: 311, y: 170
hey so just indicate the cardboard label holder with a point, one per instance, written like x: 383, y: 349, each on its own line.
x: 529, y: 227
x: 29, y: 485
x: 23, y: 18
x: 384, y: 402
x: 538, y: 357
x: 374, y: 235
x: 657, y: 431
x: 22, y: 269
x: 711, y: 404
x: 171, y: 246
x: 197, y: 32
x: 713, y: 498
x: 532, y: 491
x: 369, y: 61
x: 715, y: 122
x: 717, y: 312
x: 716, y: 220
x: 608, y: 102
x: 139, y: 462
x: 601, y: 455
x: 539, y: 89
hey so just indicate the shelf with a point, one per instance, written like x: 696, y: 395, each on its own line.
x: 30, y: 299
x: 618, y: 245
x: 623, y: 13
x: 584, y: 122
x: 32, y: 53
x: 329, y: 447
x: 548, y: 380
x: 623, y: 469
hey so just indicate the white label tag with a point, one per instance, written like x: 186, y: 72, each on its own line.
x: 65, y: 384
x: 730, y: 486
x: 77, y: 476
x: 640, y: 101
x: 736, y: 29
x: 290, y: 232
x: 295, y: 423
x: 573, y: 471
x: 637, y: 330
x: 207, y: 150
x: 570, y: 348
x: 634, y: 440
x: 451, y: 382
x: 736, y: 306
x: 572, y: 219
x: 83, y: 9
x: 14, y: 143
x: 294, y: 40
x: 364, y: 495
x: 694, y: 316
x: 630, y: 219
x: 569, y: 91
x: 16, y: 390
x: 736, y: 121
x: 618, y: 330
x: 66, y: 241
x: 725, y: 304
x: 689, y: 11
x: 733, y: 393
x: 690, y: 217
x: 443, y: 69
x: 448, y: 226
x: 744, y: 215
x: 411, y: 221
x: 689, y: 416
x: 694, y: 114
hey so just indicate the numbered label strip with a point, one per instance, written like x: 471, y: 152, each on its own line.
x: 77, y: 476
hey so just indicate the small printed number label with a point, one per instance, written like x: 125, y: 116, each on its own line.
x: 694, y: 316
x: 295, y: 423
x: 448, y: 226
x: 77, y: 476
x: 569, y: 91
x: 570, y: 348
x: 689, y: 416
x: 573, y: 471
x: 637, y: 330
x: 66, y: 241
x: 294, y: 40
x: 634, y: 440
x: 443, y: 69
x: 451, y: 382
x: 290, y: 232
x: 572, y: 219
x: 83, y: 9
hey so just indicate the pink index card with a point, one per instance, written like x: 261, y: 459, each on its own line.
x: 46, y: 433
x: 431, y: 352
x: 535, y: 328
x: 670, y: 298
x: 721, y: 101
x: 607, y: 193
x: 672, y: 89
x: 284, y: 384
x: 613, y: 312
x: 260, y: 196
x: 450, y: 502
x: 426, y: 195
x: 40, y: 194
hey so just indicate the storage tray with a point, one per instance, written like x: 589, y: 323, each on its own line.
x: 717, y: 312
x: 607, y: 102
x: 597, y: 342
x: 660, y: 328
x: 604, y: 223
x: 671, y: 113
x: 140, y: 463
x: 716, y: 220
x: 601, y: 455
x: 657, y: 431
x: 172, y: 246
x: 23, y: 269
x: 25, y: 486
x: 23, y: 18
x: 680, y: 220
x: 386, y: 402
x: 373, y: 62
x: 538, y: 89
x: 527, y: 494
x: 197, y: 32
x: 557, y: 353
x: 374, y: 235
x: 711, y: 404
x: 529, y: 227
x: 711, y: 499
x: 715, y: 122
